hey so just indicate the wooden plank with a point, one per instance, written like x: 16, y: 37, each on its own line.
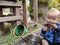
x: 24, y: 13
x: 7, y: 3
x: 1, y: 24
x: 8, y: 0
x: 17, y: 13
x: 35, y: 10
x: 32, y: 24
x: 10, y: 18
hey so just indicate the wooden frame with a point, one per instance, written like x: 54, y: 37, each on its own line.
x: 35, y: 13
x: 7, y: 3
x: 10, y: 18
x: 16, y: 12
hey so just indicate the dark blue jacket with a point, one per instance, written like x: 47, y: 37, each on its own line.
x: 51, y: 35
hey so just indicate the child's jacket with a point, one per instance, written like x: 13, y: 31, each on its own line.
x: 51, y: 35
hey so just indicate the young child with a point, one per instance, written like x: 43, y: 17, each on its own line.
x: 51, y: 30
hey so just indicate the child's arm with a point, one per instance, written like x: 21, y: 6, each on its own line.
x: 45, y: 27
x: 43, y: 30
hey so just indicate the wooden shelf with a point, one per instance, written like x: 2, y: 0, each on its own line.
x: 10, y: 18
x: 7, y: 3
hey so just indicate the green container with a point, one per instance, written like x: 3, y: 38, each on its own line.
x: 20, y: 29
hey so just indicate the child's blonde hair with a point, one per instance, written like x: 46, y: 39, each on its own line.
x: 54, y: 11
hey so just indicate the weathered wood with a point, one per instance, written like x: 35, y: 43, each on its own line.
x: 35, y: 10
x: 14, y: 4
x: 17, y: 13
x: 0, y: 12
x: 24, y: 13
x: 1, y: 24
x: 8, y: 0
x: 10, y: 18
x: 7, y: 3
x: 32, y: 24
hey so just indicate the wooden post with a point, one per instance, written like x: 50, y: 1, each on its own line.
x: 24, y: 13
x: 1, y: 24
x: 16, y: 12
x: 35, y: 10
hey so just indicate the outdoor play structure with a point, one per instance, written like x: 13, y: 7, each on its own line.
x: 10, y: 12
x: 12, y: 15
x: 13, y: 12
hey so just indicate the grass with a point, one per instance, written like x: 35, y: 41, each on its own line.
x: 7, y: 37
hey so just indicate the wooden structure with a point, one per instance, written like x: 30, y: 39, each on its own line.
x: 13, y: 14
x: 35, y: 13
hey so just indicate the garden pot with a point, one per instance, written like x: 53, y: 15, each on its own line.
x: 20, y: 30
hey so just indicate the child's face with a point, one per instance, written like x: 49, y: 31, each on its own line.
x: 51, y: 19
x: 52, y: 15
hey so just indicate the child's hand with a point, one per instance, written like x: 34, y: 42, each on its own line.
x: 45, y: 28
x: 53, y: 26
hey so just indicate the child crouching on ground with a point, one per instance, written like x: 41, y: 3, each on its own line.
x: 51, y: 30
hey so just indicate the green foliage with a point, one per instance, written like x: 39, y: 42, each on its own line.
x: 43, y: 1
x: 40, y: 12
x: 58, y: 7
x: 30, y: 11
x: 53, y: 3
x: 20, y: 0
